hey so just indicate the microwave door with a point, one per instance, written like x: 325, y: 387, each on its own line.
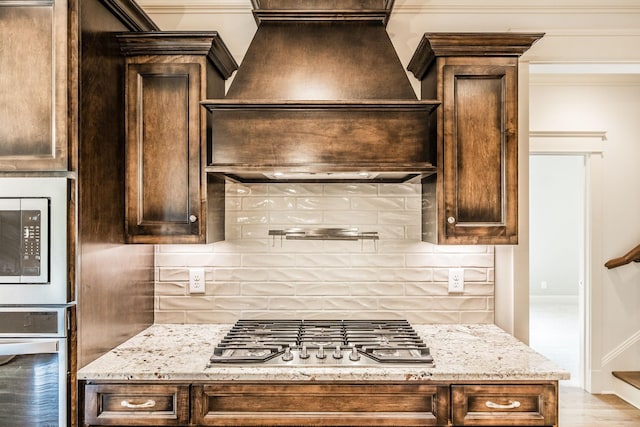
x: 10, y: 219
x: 24, y: 225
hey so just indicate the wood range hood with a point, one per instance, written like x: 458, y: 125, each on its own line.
x: 321, y: 96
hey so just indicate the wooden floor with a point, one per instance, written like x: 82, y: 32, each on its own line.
x: 581, y: 409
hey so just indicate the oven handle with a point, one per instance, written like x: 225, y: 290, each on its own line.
x: 14, y: 348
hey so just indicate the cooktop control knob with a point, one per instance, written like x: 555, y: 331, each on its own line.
x: 337, y: 353
x: 320, y: 354
x: 304, y: 354
x: 354, y: 355
x: 287, y: 356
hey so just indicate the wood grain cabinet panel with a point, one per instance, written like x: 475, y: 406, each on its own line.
x: 320, y: 405
x: 163, y: 150
x: 473, y: 198
x: 504, y: 405
x: 136, y: 405
x: 33, y: 86
x: 169, y: 198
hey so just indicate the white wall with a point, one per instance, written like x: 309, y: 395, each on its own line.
x: 609, y: 103
x: 556, y: 187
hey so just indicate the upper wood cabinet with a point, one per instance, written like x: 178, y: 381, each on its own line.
x: 169, y: 199
x: 33, y: 85
x: 473, y: 198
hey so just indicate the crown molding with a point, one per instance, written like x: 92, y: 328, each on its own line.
x: 590, y: 80
x: 420, y: 6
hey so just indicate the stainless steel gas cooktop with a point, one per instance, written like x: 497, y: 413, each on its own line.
x: 322, y: 343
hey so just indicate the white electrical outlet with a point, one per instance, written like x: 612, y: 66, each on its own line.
x: 196, y: 281
x: 456, y: 280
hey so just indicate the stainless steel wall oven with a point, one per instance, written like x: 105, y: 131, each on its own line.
x: 33, y: 366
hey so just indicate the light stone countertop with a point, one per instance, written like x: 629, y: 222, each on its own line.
x: 176, y: 352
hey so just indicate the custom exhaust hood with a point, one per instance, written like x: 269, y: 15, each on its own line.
x: 321, y: 96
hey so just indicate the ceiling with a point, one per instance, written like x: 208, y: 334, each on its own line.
x: 582, y: 36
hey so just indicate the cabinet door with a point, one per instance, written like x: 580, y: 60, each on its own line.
x: 136, y: 405
x: 479, y: 152
x: 307, y: 404
x: 504, y: 405
x: 33, y: 85
x: 163, y: 153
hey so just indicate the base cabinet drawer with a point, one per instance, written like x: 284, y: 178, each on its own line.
x: 504, y: 405
x: 136, y: 405
x: 320, y: 405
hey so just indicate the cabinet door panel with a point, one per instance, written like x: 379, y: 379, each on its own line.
x: 136, y: 405
x: 295, y: 404
x: 480, y: 153
x: 33, y: 85
x: 163, y: 151
x: 504, y: 405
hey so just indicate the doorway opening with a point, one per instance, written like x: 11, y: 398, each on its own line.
x: 558, y: 215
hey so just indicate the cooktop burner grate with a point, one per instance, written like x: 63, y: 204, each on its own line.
x: 322, y: 342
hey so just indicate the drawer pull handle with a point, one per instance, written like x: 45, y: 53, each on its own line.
x: 511, y: 405
x: 148, y: 404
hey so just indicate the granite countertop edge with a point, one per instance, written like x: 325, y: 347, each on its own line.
x: 462, y: 352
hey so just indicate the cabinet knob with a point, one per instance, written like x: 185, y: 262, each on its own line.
x: 193, y: 218
x: 451, y: 220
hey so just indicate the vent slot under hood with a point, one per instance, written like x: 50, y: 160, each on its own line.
x: 321, y: 96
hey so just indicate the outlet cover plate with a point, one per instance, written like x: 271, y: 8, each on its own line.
x: 456, y: 280
x: 196, y: 281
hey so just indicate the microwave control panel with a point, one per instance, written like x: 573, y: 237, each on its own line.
x: 31, y: 243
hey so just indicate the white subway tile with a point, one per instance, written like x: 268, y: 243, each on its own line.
x: 170, y: 288
x: 239, y: 303
x: 320, y: 260
x: 266, y: 289
x: 170, y: 317
x: 323, y: 203
x: 295, y: 218
x: 211, y: 316
x: 350, y: 189
x: 357, y: 219
x: 241, y: 274
x: 399, y: 217
x: 268, y: 260
x: 377, y: 260
x: 326, y: 289
x: 291, y: 189
x: 377, y: 289
x: 378, y: 203
x: 476, y: 317
x: 400, y: 189
x: 268, y: 203
x: 405, y: 274
x: 322, y: 303
x: 245, y: 217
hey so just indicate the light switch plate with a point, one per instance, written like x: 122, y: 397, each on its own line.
x: 456, y: 280
x: 196, y: 281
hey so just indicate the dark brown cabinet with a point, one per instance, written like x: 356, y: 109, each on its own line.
x: 137, y: 405
x: 504, y: 405
x: 169, y: 198
x: 281, y: 403
x: 33, y: 83
x: 286, y: 404
x: 473, y: 198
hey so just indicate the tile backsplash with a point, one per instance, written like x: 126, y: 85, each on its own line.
x: 254, y: 275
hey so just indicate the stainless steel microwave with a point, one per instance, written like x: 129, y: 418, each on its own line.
x: 33, y: 241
